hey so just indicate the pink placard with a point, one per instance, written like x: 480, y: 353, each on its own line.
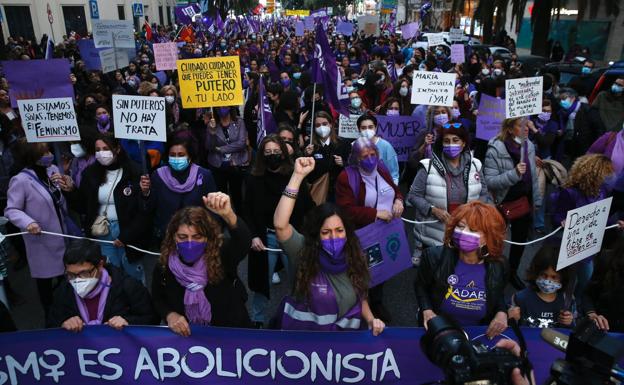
x: 166, y: 55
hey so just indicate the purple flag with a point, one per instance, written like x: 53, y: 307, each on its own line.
x: 184, y: 13
x: 274, y: 72
x: 38, y: 79
x: 266, y: 123
x: 325, y: 71
x: 392, y: 71
x: 49, y: 49
x: 89, y: 54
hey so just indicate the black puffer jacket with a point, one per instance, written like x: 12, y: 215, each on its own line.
x: 438, y: 263
x: 127, y: 298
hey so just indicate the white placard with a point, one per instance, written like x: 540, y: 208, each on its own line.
x: 435, y: 39
x: 369, y: 25
x: 139, y: 117
x: 347, y: 127
x: 112, y: 59
x: 523, y: 97
x: 456, y: 34
x: 433, y: 88
x: 105, y: 31
x: 49, y: 120
x: 583, y: 232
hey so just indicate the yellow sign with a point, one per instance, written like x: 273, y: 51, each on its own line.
x: 297, y: 12
x: 386, y: 11
x: 210, y: 82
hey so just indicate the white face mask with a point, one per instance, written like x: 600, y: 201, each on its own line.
x: 169, y: 99
x: 368, y: 134
x: 84, y: 286
x: 105, y: 158
x: 77, y: 150
x: 518, y: 139
x: 485, y: 71
x: 403, y: 91
x: 323, y: 131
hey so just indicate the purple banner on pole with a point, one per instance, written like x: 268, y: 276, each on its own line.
x: 266, y: 123
x: 38, y: 79
x: 490, y: 117
x: 89, y: 54
x: 185, y: 13
x: 410, y: 30
x: 403, y: 132
x: 324, y: 70
x: 385, y: 245
x: 224, y: 356
x: 345, y: 28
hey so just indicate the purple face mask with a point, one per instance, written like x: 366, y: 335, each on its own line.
x: 544, y: 116
x: 285, y: 82
x: 103, y: 119
x: 190, y: 251
x: 452, y: 151
x: 369, y: 163
x: 392, y: 113
x: 223, y: 111
x: 466, y: 241
x: 440, y: 119
x: 332, y: 258
x: 46, y: 161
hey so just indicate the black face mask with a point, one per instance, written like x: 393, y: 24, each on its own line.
x: 273, y: 161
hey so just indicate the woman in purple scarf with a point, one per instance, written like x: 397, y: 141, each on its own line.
x: 97, y: 293
x: 332, y: 273
x: 196, y: 281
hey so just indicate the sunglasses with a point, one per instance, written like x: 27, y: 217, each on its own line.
x: 449, y: 125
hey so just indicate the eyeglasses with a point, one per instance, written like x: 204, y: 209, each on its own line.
x: 82, y: 274
x: 449, y: 125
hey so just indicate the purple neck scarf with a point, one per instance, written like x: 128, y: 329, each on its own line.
x: 331, y: 265
x: 194, y: 278
x: 103, y: 129
x: 102, y: 290
x: 172, y: 183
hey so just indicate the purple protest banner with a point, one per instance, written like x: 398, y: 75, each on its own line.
x: 385, y: 245
x: 165, y: 55
x: 89, y: 54
x: 490, y: 117
x: 185, y: 13
x: 299, y: 28
x: 345, y: 28
x: 403, y: 132
x: 266, y: 122
x: 457, y: 53
x: 410, y: 30
x: 38, y: 79
x: 227, y: 356
x: 308, y: 23
x: 324, y: 70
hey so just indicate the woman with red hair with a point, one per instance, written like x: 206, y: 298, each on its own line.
x: 465, y: 279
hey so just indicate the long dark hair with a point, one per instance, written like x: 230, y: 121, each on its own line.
x: 309, y: 267
x: 260, y: 168
x: 121, y: 158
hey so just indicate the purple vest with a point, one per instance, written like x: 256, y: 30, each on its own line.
x: 322, y: 312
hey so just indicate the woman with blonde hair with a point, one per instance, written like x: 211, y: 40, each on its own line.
x: 586, y: 184
x: 511, y: 177
x: 465, y: 279
x: 196, y: 280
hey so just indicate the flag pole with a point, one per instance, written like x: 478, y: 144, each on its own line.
x: 313, y: 106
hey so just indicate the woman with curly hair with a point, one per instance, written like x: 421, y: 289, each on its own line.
x: 196, y: 280
x: 585, y: 185
x: 332, y: 273
x: 465, y: 279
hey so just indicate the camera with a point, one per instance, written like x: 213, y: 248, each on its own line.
x: 466, y: 362
x: 591, y: 358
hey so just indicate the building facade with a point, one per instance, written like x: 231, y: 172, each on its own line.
x: 57, y: 18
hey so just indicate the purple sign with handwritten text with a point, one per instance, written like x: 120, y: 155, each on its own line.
x: 490, y: 117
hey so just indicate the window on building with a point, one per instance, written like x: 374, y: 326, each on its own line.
x: 161, y: 21
x: 168, y: 15
x: 19, y: 21
x: 121, y: 12
x: 75, y: 19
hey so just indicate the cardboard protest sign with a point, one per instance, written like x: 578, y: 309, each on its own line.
x: 211, y: 82
x: 583, y: 232
x: 523, y: 96
x: 386, y: 248
x: 347, y: 127
x: 165, y: 56
x: 456, y: 34
x: 410, y: 30
x: 368, y: 24
x: 457, y: 53
x: 112, y: 59
x: 139, y: 117
x: 38, y: 79
x: 490, y: 117
x: 433, y: 88
x: 49, y: 120
x: 403, y: 132
x: 113, y: 33
x: 435, y: 39
x: 345, y: 28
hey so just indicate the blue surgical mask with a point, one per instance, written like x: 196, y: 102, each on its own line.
x: 179, y: 163
x: 566, y: 103
x: 585, y: 70
x: 617, y: 89
x: 547, y: 286
x: 296, y: 75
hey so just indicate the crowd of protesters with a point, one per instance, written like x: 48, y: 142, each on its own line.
x: 214, y: 194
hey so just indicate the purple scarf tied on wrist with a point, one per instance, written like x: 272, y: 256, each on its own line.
x: 102, y: 290
x: 194, y: 279
x: 172, y: 183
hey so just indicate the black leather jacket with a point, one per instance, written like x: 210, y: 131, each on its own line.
x: 438, y: 263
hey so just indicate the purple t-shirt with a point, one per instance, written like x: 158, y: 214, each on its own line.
x: 465, y: 298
